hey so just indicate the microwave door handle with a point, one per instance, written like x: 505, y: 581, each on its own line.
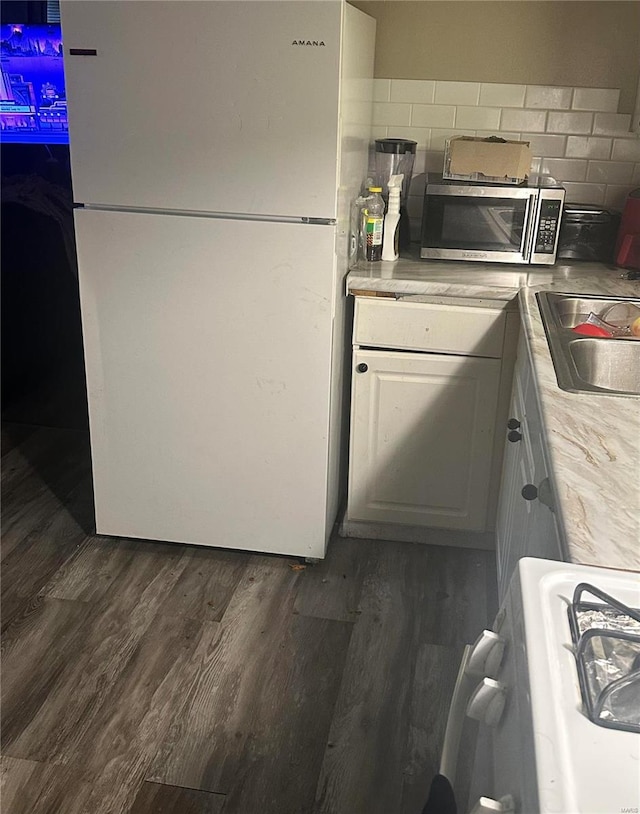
x: 530, y: 227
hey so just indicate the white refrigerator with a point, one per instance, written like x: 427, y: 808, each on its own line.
x: 215, y: 149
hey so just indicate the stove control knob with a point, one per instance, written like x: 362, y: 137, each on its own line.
x: 487, y: 805
x: 487, y: 702
x: 486, y: 655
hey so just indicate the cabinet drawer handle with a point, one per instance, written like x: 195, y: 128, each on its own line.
x: 362, y: 368
x: 513, y: 424
x: 514, y: 436
x: 529, y: 491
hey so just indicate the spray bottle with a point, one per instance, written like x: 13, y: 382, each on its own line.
x: 392, y: 219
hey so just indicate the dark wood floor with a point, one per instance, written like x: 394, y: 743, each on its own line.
x: 147, y: 677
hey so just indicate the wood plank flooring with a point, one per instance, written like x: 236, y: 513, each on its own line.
x: 143, y: 677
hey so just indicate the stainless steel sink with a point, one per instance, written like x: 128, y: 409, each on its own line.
x: 588, y: 364
x: 612, y: 365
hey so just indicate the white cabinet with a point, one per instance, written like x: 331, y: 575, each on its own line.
x: 421, y: 438
x: 427, y: 379
x: 526, y: 524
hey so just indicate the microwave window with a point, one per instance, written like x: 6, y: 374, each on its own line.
x: 470, y: 223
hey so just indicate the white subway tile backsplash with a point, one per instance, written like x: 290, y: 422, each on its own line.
x: 626, y: 149
x: 611, y: 124
x: 390, y: 113
x: 381, y: 90
x: 609, y: 172
x: 434, y: 161
x: 575, y: 137
x: 379, y: 131
x: 588, y: 147
x: 565, y: 169
x: 497, y: 95
x: 485, y: 118
x: 616, y: 196
x: 414, y: 211
x: 505, y: 134
x: 457, y: 93
x: 544, y: 145
x: 600, y: 99
x: 419, y: 163
x: 584, y: 193
x: 412, y: 90
x: 414, y: 205
x: 548, y: 97
x: 439, y: 136
x: 529, y: 121
x: 570, y: 123
x: 433, y: 116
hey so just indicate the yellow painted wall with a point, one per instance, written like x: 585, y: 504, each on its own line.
x: 581, y: 43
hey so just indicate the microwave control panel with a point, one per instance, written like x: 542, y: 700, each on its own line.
x: 548, y: 224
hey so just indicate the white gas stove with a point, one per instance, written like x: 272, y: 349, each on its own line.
x: 537, y: 749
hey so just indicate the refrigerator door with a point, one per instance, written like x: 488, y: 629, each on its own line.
x: 213, y: 106
x: 208, y: 348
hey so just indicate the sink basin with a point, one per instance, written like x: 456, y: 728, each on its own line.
x: 612, y: 365
x: 583, y: 364
x: 570, y: 311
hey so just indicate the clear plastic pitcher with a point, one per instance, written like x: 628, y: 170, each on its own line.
x: 395, y: 156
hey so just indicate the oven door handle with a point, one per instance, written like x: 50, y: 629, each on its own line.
x: 530, y: 226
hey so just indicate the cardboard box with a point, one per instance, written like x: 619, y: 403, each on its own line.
x: 492, y: 159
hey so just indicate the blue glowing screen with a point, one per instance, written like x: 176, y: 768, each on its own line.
x: 33, y: 102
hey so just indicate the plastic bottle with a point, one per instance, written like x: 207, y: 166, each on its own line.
x: 356, y: 238
x: 374, y: 223
x: 392, y: 220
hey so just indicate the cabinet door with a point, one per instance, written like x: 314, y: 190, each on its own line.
x: 525, y: 527
x: 422, y: 428
x: 513, y: 510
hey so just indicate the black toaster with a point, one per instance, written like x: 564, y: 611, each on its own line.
x: 587, y: 232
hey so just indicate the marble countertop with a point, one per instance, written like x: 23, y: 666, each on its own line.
x: 593, y: 441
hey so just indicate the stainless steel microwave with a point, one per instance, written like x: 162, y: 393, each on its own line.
x: 490, y: 223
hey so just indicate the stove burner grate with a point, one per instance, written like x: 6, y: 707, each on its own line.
x: 606, y: 640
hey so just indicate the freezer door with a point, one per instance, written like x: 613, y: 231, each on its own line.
x: 208, y: 354
x: 204, y: 106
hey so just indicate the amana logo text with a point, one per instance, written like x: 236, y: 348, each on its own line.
x: 315, y: 43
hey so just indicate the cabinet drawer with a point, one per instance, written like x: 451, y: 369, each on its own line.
x: 468, y: 330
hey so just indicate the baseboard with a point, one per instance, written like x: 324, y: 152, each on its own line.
x: 484, y: 540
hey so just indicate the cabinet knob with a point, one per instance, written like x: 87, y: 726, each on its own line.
x: 362, y: 367
x: 513, y: 424
x: 529, y: 491
x: 514, y: 436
